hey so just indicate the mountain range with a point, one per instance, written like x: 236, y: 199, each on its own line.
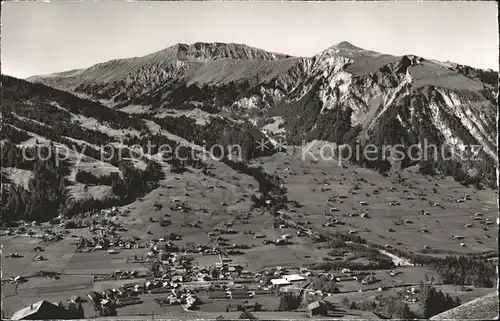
x: 204, y: 94
x: 343, y: 91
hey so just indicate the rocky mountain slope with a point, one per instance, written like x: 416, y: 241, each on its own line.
x: 344, y: 94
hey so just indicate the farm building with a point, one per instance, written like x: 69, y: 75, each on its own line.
x: 94, y: 296
x: 293, y: 277
x: 279, y: 282
x: 317, y: 308
x: 76, y: 299
x: 42, y: 310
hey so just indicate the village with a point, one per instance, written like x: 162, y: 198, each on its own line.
x: 181, y: 253
x: 173, y: 275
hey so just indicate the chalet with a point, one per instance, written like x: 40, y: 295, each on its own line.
x: 281, y: 242
x: 190, y: 302
x: 293, y: 277
x: 108, y: 293
x: 76, y: 299
x: 280, y: 282
x: 94, y: 296
x: 345, y: 278
x: 41, y: 310
x: 317, y: 308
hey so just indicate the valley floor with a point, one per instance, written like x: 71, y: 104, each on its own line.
x: 324, y: 191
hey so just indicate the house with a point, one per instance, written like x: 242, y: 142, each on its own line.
x: 281, y: 242
x: 94, y: 296
x: 76, y: 299
x: 42, y: 310
x: 280, y: 282
x: 190, y: 302
x: 293, y: 277
x: 317, y: 308
x: 108, y: 293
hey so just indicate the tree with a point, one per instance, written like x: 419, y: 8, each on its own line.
x: 80, y: 312
x: 245, y: 315
x: 289, y: 301
x: 406, y: 314
x: 73, y: 310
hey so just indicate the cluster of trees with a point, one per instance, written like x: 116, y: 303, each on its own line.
x: 85, y: 177
x: 218, y: 96
x: 57, y: 131
x: 487, y: 76
x: 12, y: 156
x: 325, y: 285
x: 339, y: 243
x: 289, y: 301
x: 108, y: 310
x: 76, y: 310
x: 46, y: 196
x: 339, y: 240
x: 178, y: 156
x: 50, y: 133
x: 46, y: 189
x: 271, y: 187
x: 431, y: 300
x: 219, y: 132
x: 435, y: 302
x: 381, y: 264
x: 13, y: 135
x: 181, y: 97
x: 135, y: 182
x: 459, y: 270
x: 17, y: 92
x: 466, y: 271
x: 333, y: 125
x: 391, y: 308
x: 246, y: 315
x: 300, y: 116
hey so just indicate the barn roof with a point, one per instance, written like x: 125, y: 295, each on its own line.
x: 35, y: 307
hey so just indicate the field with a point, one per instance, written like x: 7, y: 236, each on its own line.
x: 224, y: 195
x: 442, y: 223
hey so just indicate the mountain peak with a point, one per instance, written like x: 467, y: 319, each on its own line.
x: 221, y: 50
x: 346, y: 45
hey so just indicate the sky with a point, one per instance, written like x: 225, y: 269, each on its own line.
x: 41, y: 38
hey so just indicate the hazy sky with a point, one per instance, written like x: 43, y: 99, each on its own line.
x: 40, y: 38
